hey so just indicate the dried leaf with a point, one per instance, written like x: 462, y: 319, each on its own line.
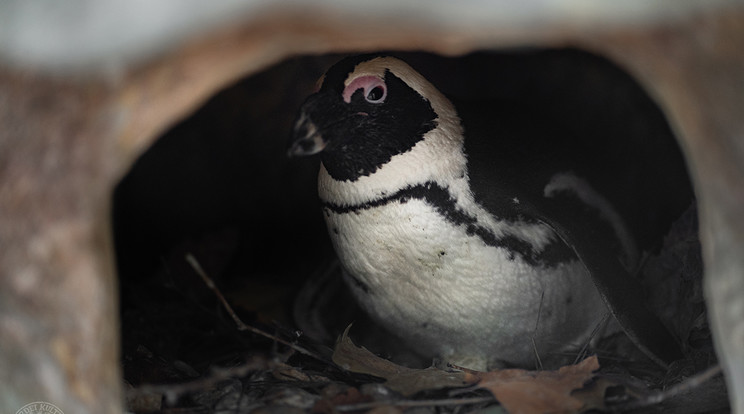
x: 538, y: 392
x: 286, y: 372
x: 414, y: 380
x: 360, y: 360
x: 519, y: 391
x: 406, y: 381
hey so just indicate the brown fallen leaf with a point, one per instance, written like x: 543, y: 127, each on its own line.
x: 406, y: 381
x: 519, y: 391
x: 537, y: 392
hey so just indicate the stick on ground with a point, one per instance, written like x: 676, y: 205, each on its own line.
x: 241, y: 325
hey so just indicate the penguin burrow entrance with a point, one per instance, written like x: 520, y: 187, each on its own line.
x: 220, y: 188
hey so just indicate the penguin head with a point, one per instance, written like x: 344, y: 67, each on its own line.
x: 367, y: 110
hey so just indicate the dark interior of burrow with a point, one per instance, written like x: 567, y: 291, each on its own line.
x: 220, y: 187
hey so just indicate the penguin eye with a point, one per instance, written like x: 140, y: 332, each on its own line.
x: 373, y: 88
x: 376, y: 94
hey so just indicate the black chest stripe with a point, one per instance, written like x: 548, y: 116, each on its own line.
x: 554, y: 253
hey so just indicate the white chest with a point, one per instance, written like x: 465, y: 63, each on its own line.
x: 450, y: 295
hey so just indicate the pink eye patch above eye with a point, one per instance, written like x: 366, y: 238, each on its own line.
x: 367, y: 83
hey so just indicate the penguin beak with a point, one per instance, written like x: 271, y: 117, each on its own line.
x: 306, y: 138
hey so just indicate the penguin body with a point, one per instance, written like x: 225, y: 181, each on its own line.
x: 443, y: 223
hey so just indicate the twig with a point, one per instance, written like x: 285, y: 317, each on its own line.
x: 534, y: 333
x: 594, y: 333
x: 210, y: 284
x: 415, y: 403
x: 217, y: 375
x: 242, y: 326
x: 684, y: 386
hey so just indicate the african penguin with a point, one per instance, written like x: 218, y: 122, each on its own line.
x: 447, y: 237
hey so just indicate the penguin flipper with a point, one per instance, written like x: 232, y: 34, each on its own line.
x: 587, y: 234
